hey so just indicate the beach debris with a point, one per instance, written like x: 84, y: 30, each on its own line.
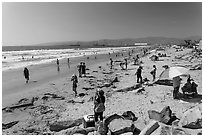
x: 21, y: 103
x: 82, y: 94
x: 95, y: 71
x: 51, y: 95
x: 192, y: 118
x: 151, y: 127
x: 9, y: 125
x: 129, y: 115
x: 165, y: 116
x: 87, y: 88
x: 62, y: 125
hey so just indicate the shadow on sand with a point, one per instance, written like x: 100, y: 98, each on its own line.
x: 190, y: 99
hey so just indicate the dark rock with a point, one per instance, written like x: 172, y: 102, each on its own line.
x: 192, y: 118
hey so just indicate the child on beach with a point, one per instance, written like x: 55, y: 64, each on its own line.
x: 99, y: 106
x: 153, y: 72
x: 74, y: 83
x: 26, y: 74
x: 139, y: 74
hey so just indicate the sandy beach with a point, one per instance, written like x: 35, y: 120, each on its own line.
x: 37, y: 118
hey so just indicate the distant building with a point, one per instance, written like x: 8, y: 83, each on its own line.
x: 140, y: 44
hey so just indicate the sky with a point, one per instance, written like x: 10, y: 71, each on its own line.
x: 28, y: 23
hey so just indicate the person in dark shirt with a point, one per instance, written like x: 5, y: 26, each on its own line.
x: 83, y: 68
x: 111, y: 63
x: 99, y: 99
x: 139, y: 74
x: 26, y: 74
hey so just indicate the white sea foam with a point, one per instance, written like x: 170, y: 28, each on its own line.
x: 14, y: 59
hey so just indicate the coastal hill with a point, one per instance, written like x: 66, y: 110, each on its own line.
x: 103, y: 43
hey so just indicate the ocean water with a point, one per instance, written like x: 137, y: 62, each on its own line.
x: 20, y: 59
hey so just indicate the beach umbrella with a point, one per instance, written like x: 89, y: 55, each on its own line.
x: 173, y: 72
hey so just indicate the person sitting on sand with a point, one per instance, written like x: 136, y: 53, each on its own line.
x: 99, y: 107
x: 74, y: 80
x: 153, y: 72
x: 139, y: 74
x: 26, y: 74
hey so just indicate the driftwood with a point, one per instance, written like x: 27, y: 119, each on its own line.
x: 9, y: 125
x: 21, y: 104
x: 50, y: 95
x: 129, y: 88
x: 132, y: 129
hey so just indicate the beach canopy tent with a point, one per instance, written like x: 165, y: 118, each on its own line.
x: 174, y: 71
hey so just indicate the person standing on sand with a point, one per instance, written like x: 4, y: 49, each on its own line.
x: 74, y: 80
x: 99, y: 107
x: 26, y: 74
x: 111, y: 63
x: 80, y: 69
x: 126, y: 64
x: 83, y: 68
x: 153, y: 72
x: 176, y: 85
x: 139, y: 74
x: 57, y: 62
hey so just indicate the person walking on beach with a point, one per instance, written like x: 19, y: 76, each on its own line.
x: 68, y: 60
x: 111, y: 63
x: 176, y: 85
x: 26, y: 74
x: 57, y: 62
x: 139, y: 74
x: 83, y: 68
x: 74, y: 80
x: 99, y: 107
x: 80, y: 69
x: 153, y: 72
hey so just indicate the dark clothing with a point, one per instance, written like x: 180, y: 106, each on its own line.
x: 74, y: 84
x: 83, y: 68
x: 80, y: 69
x: 175, y: 92
x: 139, y: 76
x: 26, y: 74
x: 98, y: 99
x: 96, y: 115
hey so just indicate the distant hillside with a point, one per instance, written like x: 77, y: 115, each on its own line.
x: 103, y: 43
x: 125, y: 41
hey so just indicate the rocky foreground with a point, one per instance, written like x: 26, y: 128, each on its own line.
x: 131, y: 108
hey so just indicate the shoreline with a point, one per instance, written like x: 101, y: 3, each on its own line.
x: 42, y: 74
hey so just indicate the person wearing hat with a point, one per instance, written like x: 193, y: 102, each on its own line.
x: 139, y: 74
x: 99, y: 107
x: 74, y: 80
